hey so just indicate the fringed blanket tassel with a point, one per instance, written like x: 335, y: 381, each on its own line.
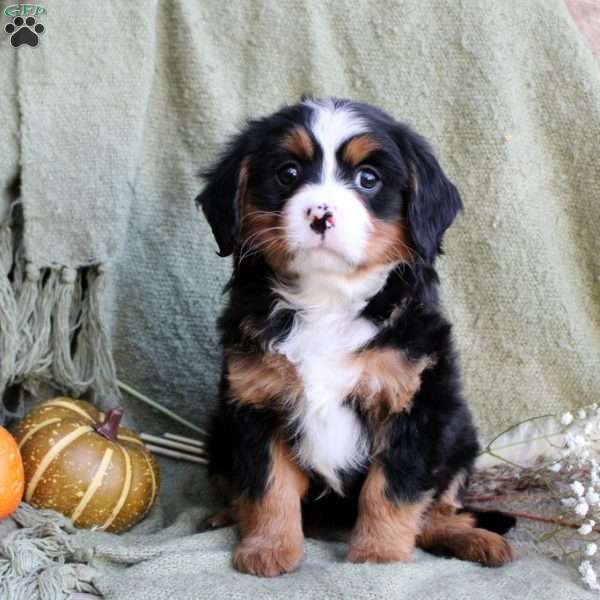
x: 37, y: 561
x: 51, y: 326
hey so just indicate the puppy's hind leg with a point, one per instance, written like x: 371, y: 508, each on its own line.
x: 224, y: 518
x: 447, y: 532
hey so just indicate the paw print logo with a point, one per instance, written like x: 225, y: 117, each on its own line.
x: 24, y: 31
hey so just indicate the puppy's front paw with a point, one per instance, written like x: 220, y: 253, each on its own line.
x: 267, y: 558
x: 372, y: 551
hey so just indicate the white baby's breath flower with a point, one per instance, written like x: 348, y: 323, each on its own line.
x: 589, y: 575
x: 594, y: 472
x: 570, y: 442
x: 576, y: 447
x: 582, y: 496
x: 592, y: 496
x: 586, y: 528
x: 582, y: 508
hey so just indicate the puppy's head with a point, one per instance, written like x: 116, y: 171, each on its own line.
x: 329, y: 185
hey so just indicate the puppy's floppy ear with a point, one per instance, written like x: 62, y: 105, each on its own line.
x: 433, y: 200
x: 223, y: 194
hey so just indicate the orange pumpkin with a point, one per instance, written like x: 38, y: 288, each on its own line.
x: 82, y: 463
x: 12, y: 478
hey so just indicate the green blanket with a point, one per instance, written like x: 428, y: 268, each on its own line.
x: 108, y: 121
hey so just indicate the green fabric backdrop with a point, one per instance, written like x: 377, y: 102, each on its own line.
x: 510, y: 97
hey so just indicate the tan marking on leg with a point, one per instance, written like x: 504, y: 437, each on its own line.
x: 447, y: 532
x: 298, y: 142
x: 384, y: 531
x: 359, y: 148
x: 271, y: 528
x: 388, y: 380
x: 258, y: 379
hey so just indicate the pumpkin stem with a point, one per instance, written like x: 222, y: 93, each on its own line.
x: 110, y: 426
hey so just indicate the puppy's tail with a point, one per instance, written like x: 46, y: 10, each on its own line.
x: 492, y: 520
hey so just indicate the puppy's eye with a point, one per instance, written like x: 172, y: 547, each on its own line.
x: 367, y: 178
x: 288, y: 173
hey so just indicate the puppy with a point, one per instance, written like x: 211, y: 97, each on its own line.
x: 340, y: 398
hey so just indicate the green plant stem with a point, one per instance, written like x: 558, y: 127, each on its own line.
x: 548, y: 535
x: 562, y: 548
x: 506, y: 460
x: 518, y: 425
x: 522, y: 515
x: 503, y: 497
x: 132, y: 392
x: 529, y: 440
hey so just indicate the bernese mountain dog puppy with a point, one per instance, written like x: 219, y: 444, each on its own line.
x: 340, y: 399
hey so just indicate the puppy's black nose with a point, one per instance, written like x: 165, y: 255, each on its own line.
x: 321, y: 224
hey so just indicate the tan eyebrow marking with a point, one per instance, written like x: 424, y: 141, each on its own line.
x: 298, y: 142
x: 358, y: 148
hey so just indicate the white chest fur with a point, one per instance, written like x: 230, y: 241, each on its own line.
x: 327, y: 331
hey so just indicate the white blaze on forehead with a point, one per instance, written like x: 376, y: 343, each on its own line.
x: 332, y: 126
x: 345, y: 244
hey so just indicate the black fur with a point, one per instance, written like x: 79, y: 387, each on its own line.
x: 433, y: 442
x: 251, y: 429
x: 492, y: 520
